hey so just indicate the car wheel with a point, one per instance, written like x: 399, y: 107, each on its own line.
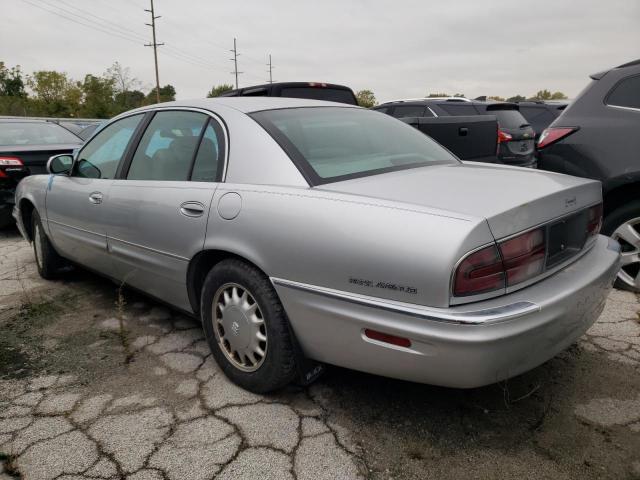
x: 247, y: 328
x: 623, y: 225
x: 47, y: 259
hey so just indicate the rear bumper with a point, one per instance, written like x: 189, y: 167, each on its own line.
x: 466, y: 346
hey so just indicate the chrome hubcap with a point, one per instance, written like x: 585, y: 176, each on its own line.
x: 239, y: 327
x: 628, y: 234
x: 37, y: 240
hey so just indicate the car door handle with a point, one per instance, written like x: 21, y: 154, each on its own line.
x: 192, y: 209
x: 95, y: 198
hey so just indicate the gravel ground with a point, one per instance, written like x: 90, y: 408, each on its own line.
x: 92, y: 387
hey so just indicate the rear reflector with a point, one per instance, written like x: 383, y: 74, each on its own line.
x: 552, y: 135
x: 387, y: 338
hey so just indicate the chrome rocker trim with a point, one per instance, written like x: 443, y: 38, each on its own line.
x: 470, y: 317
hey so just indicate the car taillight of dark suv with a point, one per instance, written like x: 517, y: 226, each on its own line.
x: 598, y: 136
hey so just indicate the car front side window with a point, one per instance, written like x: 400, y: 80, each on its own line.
x: 101, y: 156
x: 168, y: 146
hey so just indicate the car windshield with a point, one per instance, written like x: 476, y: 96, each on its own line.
x: 329, y: 144
x: 34, y: 133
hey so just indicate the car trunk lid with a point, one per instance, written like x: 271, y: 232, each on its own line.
x: 35, y: 157
x: 511, y: 199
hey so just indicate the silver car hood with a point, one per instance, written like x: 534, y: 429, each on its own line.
x: 511, y: 199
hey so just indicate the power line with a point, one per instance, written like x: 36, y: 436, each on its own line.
x: 155, y: 46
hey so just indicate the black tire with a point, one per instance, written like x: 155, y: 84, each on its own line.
x: 49, y: 262
x: 278, y: 367
x: 614, y: 220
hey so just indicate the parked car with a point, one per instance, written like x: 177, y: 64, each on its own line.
x: 310, y: 90
x: 25, y: 147
x: 541, y: 113
x: 597, y: 136
x: 329, y: 233
x: 516, y: 144
x: 87, y: 131
x: 472, y: 138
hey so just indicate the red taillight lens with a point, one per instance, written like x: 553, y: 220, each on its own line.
x: 552, y: 135
x: 504, y: 137
x: 480, y: 272
x: 523, y: 256
x: 10, y: 162
x: 387, y: 338
x: 594, y: 222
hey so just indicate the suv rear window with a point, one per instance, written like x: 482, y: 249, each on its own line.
x: 402, y: 111
x: 626, y: 93
x: 329, y: 144
x: 507, y: 117
x: 319, y: 93
x: 458, y: 108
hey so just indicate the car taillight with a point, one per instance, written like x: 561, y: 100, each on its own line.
x: 9, y: 162
x: 594, y: 220
x: 504, y: 137
x: 480, y: 272
x: 553, y: 134
x: 523, y: 256
x: 493, y: 268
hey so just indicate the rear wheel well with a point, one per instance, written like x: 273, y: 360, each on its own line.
x: 620, y: 196
x: 200, y: 266
x: 26, y: 212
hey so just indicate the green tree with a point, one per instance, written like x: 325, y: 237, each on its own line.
x: 98, y: 96
x: 128, y: 100
x: 55, y: 93
x: 516, y: 98
x: 558, y: 96
x: 496, y: 98
x: 218, y: 90
x: 11, y: 82
x: 167, y: 94
x: 366, y: 98
x: 125, y: 87
x: 459, y: 95
x: 436, y: 95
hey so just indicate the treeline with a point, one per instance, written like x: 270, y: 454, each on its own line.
x: 49, y: 93
x: 539, y: 95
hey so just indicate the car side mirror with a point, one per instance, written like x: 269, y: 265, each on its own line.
x: 60, y: 164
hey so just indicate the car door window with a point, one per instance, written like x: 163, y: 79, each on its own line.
x: 101, y: 156
x: 167, y: 148
x: 626, y: 93
x: 209, y: 161
x: 403, y: 111
x: 458, y: 108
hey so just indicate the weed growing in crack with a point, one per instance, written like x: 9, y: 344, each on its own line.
x: 10, y: 462
x: 122, y: 331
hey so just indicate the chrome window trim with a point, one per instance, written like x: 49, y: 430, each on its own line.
x: 482, y: 316
x: 633, y: 109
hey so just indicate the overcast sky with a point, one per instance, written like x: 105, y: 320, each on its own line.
x: 398, y: 49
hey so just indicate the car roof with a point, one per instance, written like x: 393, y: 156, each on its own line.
x: 22, y: 120
x: 248, y: 104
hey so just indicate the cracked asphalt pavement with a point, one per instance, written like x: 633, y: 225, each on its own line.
x: 96, y: 388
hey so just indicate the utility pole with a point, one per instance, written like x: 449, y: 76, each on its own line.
x: 270, y: 70
x: 155, y: 46
x: 235, y: 61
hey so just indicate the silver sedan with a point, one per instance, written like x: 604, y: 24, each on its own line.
x: 305, y: 233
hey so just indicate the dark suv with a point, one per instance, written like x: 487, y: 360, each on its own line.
x: 310, y: 90
x: 598, y: 136
x: 516, y: 144
x: 540, y: 113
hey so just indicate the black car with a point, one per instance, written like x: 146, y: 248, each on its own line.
x: 516, y: 138
x: 598, y: 136
x: 540, y: 113
x: 25, y: 147
x: 310, y: 90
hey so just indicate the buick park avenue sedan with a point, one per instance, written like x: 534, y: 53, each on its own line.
x: 304, y: 232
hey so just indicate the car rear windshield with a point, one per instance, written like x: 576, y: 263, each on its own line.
x: 508, y: 118
x: 330, y: 144
x: 320, y: 93
x: 27, y: 133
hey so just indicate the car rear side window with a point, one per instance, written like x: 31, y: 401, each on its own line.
x: 403, y: 111
x: 330, y: 144
x: 167, y: 148
x: 319, y: 93
x: 101, y: 156
x: 458, y: 108
x: 626, y: 93
x: 209, y: 161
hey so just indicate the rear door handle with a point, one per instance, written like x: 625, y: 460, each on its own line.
x: 192, y: 209
x: 463, y: 131
x: 95, y: 198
